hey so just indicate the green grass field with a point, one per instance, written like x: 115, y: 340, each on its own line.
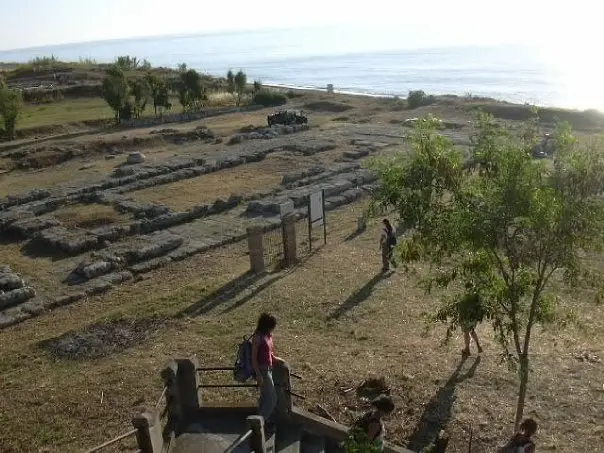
x: 67, y: 111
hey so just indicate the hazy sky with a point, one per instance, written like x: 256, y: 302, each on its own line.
x: 32, y: 23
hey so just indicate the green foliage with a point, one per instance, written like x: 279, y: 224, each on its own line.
x: 269, y: 98
x: 498, y: 229
x: 11, y: 103
x: 257, y: 87
x: 128, y: 63
x: 418, y: 98
x: 230, y: 83
x: 159, y: 92
x: 191, y: 91
x: 240, y: 85
x: 141, y: 91
x: 358, y: 442
x: 115, y: 90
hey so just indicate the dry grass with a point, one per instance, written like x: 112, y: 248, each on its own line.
x: 346, y: 326
x: 242, y: 180
x: 89, y: 216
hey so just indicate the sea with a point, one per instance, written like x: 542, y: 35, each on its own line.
x: 360, y: 62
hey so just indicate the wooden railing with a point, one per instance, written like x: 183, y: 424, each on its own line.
x: 149, y: 428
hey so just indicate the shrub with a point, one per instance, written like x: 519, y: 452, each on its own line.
x: 269, y: 98
x: 418, y: 98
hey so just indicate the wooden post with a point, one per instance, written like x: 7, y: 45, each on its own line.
x: 188, y: 387
x: 255, y: 244
x: 282, y: 379
x: 258, y: 439
x: 149, y: 434
x: 175, y: 416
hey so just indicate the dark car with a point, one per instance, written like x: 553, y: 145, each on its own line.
x: 286, y: 117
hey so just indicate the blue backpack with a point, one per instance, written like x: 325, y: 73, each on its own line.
x: 243, y: 370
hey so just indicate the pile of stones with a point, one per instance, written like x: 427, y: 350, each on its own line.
x: 267, y: 133
x: 13, y: 290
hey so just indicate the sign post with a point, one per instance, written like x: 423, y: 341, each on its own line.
x: 316, y: 215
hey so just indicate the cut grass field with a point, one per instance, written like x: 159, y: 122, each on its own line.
x: 340, y: 322
x: 66, y: 111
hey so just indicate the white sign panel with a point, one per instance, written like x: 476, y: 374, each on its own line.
x: 316, y: 208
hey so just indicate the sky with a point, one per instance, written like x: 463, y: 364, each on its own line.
x: 35, y: 23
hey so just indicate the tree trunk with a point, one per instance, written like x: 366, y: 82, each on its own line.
x: 524, y: 375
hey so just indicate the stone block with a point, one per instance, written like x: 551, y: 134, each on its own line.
x: 16, y: 297
x: 147, y: 266
x: 9, y: 281
x: 27, y: 227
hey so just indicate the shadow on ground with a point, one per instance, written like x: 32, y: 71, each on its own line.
x: 438, y: 411
x: 358, y: 296
x: 231, y: 290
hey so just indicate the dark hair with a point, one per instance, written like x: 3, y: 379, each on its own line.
x: 388, y: 226
x: 383, y: 403
x: 266, y: 323
x: 528, y: 426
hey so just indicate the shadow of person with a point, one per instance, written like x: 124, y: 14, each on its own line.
x: 438, y: 411
x: 358, y: 296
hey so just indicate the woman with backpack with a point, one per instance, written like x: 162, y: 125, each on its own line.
x: 387, y: 243
x: 370, y: 426
x: 263, y: 361
x: 522, y: 441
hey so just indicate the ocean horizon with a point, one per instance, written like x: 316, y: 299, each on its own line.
x: 381, y: 64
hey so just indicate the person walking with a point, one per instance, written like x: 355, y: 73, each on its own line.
x: 263, y: 361
x: 370, y: 426
x: 470, y: 312
x: 387, y: 243
x: 522, y: 441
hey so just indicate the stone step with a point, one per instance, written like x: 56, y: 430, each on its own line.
x: 312, y: 444
x: 288, y: 439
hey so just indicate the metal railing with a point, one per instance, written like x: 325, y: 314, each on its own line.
x: 240, y: 385
x: 245, y: 436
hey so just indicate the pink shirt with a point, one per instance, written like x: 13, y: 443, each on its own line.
x: 265, y: 350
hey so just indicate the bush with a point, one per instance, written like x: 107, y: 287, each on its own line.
x: 418, y: 98
x: 269, y: 98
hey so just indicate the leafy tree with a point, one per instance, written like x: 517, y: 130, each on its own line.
x: 115, y: 90
x: 418, y: 98
x: 11, y: 103
x: 141, y: 91
x: 159, y: 92
x: 231, y: 83
x: 191, y: 92
x: 240, y: 85
x: 509, y: 224
x: 257, y: 87
x: 182, y: 67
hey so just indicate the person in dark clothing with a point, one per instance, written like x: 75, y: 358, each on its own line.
x: 387, y: 243
x: 263, y: 360
x: 370, y: 426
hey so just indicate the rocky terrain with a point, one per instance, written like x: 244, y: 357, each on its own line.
x: 92, y: 255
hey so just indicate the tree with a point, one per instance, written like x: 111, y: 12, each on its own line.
x: 231, y: 83
x: 509, y: 225
x: 11, y: 102
x: 257, y: 87
x: 240, y: 85
x: 159, y: 92
x: 191, y: 92
x: 140, y: 90
x: 115, y: 90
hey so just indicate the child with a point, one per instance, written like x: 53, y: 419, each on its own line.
x: 522, y: 441
x: 370, y: 426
